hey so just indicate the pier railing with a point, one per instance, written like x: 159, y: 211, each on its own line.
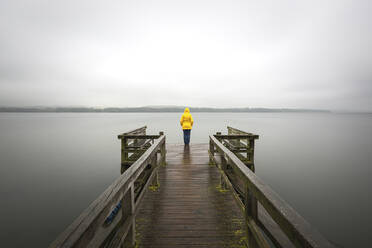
x: 133, y: 144
x: 110, y: 220
x: 241, y: 144
x: 237, y: 174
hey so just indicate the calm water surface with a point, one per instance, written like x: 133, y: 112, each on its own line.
x: 52, y: 165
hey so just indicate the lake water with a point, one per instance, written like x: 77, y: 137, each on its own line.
x: 52, y: 165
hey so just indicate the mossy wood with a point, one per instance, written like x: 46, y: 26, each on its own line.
x: 235, y: 161
x: 133, y: 144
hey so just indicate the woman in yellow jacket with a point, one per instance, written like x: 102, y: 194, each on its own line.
x: 186, y: 123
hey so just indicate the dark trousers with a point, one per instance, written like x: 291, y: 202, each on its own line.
x: 186, y: 136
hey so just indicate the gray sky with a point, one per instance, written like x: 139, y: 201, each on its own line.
x: 296, y: 54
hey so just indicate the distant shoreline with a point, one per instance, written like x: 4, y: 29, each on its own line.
x: 153, y: 110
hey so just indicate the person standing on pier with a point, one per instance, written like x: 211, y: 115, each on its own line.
x: 186, y: 123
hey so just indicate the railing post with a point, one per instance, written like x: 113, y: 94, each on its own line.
x: 211, y: 152
x: 162, y: 152
x: 251, y: 155
x: 254, y: 236
x: 124, y: 153
x: 248, y: 151
x: 123, y: 145
x: 250, y: 204
x: 223, y: 168
x: 154, y: 163
x: 219, y: 139
x: 128, y: 212
x: 251, y: 213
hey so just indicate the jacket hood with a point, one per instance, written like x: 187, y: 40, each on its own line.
x: 187, y: 110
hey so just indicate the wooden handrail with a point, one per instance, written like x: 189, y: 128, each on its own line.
x: 139, y: 131
x: 133, y: 144
x: 241, y: 143
x: 233, y: 130
x: 296, y: 228
x: 91, y: 228
x: 237, y: 136
x: 140, y: 136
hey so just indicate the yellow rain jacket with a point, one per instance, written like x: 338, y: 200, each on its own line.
x: 186, y: 119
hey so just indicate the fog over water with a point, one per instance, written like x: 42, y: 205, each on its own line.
x: 295, y: 54
x: 54, y: 165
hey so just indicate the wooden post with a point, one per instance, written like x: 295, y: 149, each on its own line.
x: 211, y: 152
x: 251, y: 157
x: 254, y: 236
x: 247, y: 147
x: 124, y: 154
x: 123, y: 140
x: 223, y: 168
x: 162, y: 152
x: 128, y: 212
x: 250, y: 204
x: 154, y: 163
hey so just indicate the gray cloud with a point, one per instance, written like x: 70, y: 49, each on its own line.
x: 313, y: 54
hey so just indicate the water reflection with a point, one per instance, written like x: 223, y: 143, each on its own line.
x: 186, y: 154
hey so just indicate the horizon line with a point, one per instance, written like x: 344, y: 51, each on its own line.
x: 153, y: 108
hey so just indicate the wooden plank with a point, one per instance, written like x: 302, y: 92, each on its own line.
x: 141, y: 130
x: 272, y: 230
x: 260, y: 240
x: 233, y: 130
x: 141, y: 136
x: 189, y: 209
x: 236, y: 136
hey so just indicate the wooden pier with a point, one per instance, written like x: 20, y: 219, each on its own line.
x: 189, y: 209
x: 201, y: 195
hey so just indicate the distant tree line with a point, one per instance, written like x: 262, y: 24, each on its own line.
x: 149, y: 110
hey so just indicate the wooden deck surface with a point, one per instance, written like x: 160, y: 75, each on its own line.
x: 189, y: 209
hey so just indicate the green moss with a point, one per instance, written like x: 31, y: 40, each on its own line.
x: 237, y: 221
x: 136, y: 245
x: 220, y: 189
x: 154, y: 188
x: 243, y: 241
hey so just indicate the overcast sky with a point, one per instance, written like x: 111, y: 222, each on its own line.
x: 296, y: 54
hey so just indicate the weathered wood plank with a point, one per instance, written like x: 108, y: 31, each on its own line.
x: 236, y: 136
x: 141, y: 130
x: 141, y: 136
x: 189, y: 209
